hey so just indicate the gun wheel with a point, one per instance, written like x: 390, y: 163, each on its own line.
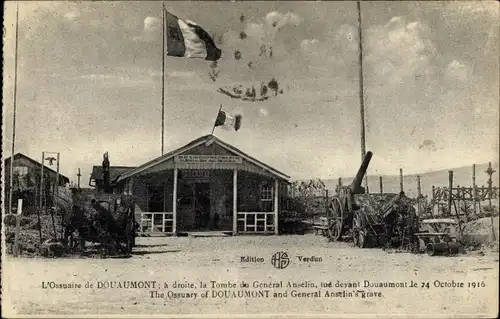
x: 335, y: 230
x: 358, y: 231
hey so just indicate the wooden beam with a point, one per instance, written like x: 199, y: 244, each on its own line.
x: 18, y: 226
x: 164, y: 196
x: 42, y: 193
x: 276, y: 208
x: 42, y: 188
x: 401, y: 187
x: 174, y: 204
x: 450, y: 191
x: 79, y: 175
x: 56, y: 187
x: 131, y: 186
x: 419, y: 195
x: 235, y: 202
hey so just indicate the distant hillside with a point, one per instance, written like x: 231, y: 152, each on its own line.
x: 461, y: 176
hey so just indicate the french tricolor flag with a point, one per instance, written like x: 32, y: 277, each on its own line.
x: 187, y: 39
x: 227, y: 121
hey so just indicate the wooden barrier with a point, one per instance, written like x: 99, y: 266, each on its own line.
x: 156, y: 222
x: 256, y: 222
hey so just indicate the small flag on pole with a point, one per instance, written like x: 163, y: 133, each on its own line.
x: 228, y: 122
x: 187, y: 39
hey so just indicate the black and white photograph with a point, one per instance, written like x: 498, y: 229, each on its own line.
x: 250, y: 159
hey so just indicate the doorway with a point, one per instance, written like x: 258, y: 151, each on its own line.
x: 202, y: 205
x: 155, y: 200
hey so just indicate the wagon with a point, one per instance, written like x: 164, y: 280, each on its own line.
x: 438, y: 237
x: 102, y: 217
x: 107, y: 219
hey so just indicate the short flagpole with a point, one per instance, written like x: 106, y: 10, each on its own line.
x: 215, y: 122
x: 163, y: 81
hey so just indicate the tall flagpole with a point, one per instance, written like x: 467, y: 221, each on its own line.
x: 163, y: 80
x: 14, y: 114
x: 361, y: 91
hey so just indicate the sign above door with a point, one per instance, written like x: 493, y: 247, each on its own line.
x: 219, y: 159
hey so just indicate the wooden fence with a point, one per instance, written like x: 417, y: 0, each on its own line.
x: 157, y: 222
x: 465, y: 193
x: 256, y: 222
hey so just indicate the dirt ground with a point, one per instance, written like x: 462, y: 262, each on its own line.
x: 188, y: 259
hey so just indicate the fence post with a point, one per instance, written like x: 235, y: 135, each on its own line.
x: 450, y: 191
x: 381, y: 183
x: 42, y: 188
x: 401, y: 180
x: 18, y: 226
x: 419, y: 195
x: 326, y: 201
x: 490, y: 172
x: 450, y: 202
x: 474, y: 191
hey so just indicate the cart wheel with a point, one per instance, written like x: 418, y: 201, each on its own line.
x: 337, y: 219
x: 359, y: 235
x: 431, y: 251
x: 332, y: 232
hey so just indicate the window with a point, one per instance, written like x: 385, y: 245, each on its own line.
x: 266, y: 192
x: 266, y: 197
x: 20, y: 170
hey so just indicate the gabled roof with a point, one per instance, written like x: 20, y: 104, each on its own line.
x: 195, y: 143
x: 114, y: 172
x: 36, y: 163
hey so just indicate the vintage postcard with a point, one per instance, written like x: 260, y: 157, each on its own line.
x: 250, y: 159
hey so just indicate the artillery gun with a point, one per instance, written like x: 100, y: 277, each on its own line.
x: 101, y: 217
x: 371, y: 220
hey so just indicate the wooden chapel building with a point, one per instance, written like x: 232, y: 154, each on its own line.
x: 205, y: 185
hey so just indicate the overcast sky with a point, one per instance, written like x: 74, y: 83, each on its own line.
x: 89, y: 81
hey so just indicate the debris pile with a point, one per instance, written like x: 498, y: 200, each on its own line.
x: 479, y: 233
x: 103, y: 219
x: 29, y: 235
x: 107, y: 219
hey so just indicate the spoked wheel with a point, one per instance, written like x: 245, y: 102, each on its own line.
x: 335, y: 231
x: 358, y: 231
